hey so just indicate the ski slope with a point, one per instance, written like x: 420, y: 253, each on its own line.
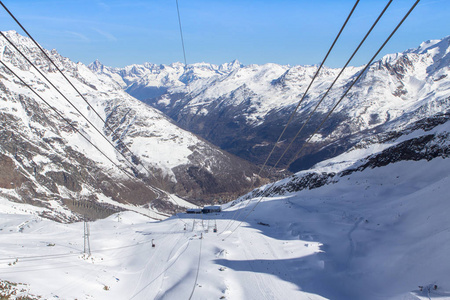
x: 377, y: 234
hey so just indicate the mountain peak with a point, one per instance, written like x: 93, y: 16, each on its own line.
x: 231, y: 66
x: 96, y: 66
x: 432, y: 44
x: 11, y: 33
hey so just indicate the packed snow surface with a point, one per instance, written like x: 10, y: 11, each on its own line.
x: 377, y: 234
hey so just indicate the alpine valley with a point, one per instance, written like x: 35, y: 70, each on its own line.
x: 362, y: 213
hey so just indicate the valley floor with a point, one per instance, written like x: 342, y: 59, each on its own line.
x: 379, y: 234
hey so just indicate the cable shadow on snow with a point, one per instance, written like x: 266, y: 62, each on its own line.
x: 307, y: 273
x: 358, y: 258
x: 316, y: 273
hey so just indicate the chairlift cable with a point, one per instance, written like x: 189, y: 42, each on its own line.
x: 90, y: 106
x: 332, y: 84
x: 67, y: 254
x: 334, y: 107
x: 238, y: 212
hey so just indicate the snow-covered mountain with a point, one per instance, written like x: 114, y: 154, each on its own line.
x: 44, y: 161
x: 243, y: 109
x: 151, y: 80
x: 379, y: 212
x: 426, y: 140
x: 369, y: 223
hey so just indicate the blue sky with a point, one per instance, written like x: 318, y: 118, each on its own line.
x: 124, y: 32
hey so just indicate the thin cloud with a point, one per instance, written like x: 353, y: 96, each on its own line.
x: 79, y: 35
x: 107, y: 35
x: 104, y: 6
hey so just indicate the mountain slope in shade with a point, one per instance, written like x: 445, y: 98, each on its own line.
x: 379, y: 211
x: 47, y: 163
x: 244, y: 108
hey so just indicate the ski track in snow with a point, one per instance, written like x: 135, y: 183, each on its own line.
x: 350, y: 239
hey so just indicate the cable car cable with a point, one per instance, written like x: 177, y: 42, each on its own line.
x: 65, y: 98
x: 73, y: 86
x: 90, y: 106
x: 182, y: 44
x: 67, y: 121
x: 318, y: 127
x: 309, y: 86
x: 332, y: 84
x: 238, y: 212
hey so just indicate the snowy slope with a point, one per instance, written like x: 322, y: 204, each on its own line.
x: 371, y: 223
x: 43, y: 159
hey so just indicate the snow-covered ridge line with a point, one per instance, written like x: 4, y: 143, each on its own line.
x: 371, y: 223
x: 242, y: 107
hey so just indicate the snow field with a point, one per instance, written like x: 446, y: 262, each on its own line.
x: 124, y: 265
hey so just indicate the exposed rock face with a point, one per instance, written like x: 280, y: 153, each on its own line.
x: 9, y: 175
x: 243, y: 109
x: 45, y: 161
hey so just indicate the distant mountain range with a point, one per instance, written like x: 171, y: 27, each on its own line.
x: 240, y: 109
x: 243, y: 109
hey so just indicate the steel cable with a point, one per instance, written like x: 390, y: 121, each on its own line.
x: 238, y: 212
x: 90, y: 106
x: 332, y: 110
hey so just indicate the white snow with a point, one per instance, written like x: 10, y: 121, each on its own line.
x: 377, y: 234
x: 413, y: 82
